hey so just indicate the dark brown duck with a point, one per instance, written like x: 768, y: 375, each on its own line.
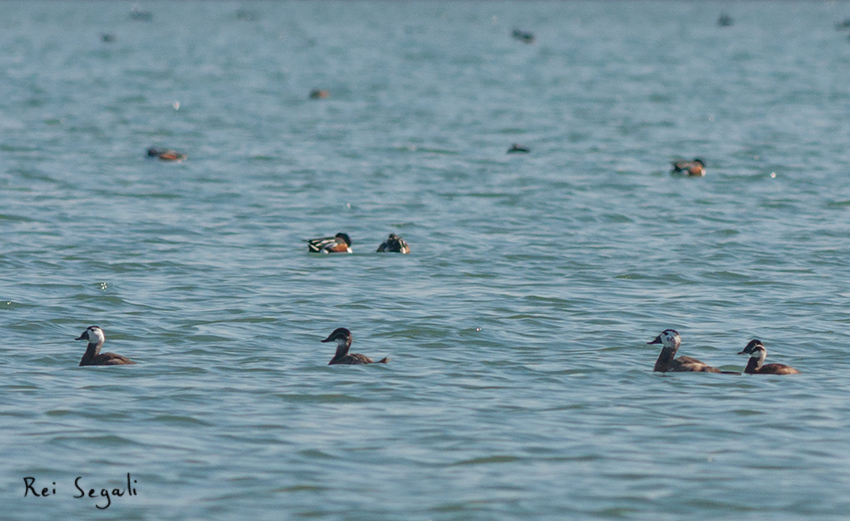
x: 756, y: 365
x: 394, y: 244
x: 342, y: 337
x: 668, y: 363
x: 93, y: 356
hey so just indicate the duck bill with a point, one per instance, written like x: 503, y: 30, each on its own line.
x: 329, y: 339
x: 656, y: 341
x: 743, y: 353
x: 84, y: 336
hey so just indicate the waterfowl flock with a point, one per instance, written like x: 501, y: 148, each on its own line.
x: 669, y: 339
x: 667, y: 361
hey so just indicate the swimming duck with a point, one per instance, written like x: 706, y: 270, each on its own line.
x: 319, y: 94
x: 695, y: 168
x: 518, y: 149
x: 756, y: 365
x: 342, y: 337
x: 166, y: 154
x: 339, y: 243
x: 523, y: 36
x: 666, y: 362
x: 394, y: 244
x: 139, y: 15
x: 93, y: 356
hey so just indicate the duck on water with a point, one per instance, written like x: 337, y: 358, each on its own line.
x: 93, y: 356
x: 695, y: 168
x: 756, y: 365
x: 339, y: 243
x: 166, y: 154
x: 342, y: 337
x: 667, y: 363
x: 394, y: 244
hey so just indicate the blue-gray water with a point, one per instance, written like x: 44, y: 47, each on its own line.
x: 520, y: 385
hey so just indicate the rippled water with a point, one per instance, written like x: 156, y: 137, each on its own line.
x: 520, y: 385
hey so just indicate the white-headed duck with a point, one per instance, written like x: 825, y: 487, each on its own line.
x: 667, y: 363
x: 93, y: 356
x: 756, y: 365
x: 342, y: 337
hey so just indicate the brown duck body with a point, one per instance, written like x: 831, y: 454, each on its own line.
x: 684, y: 364
x: 753, y: 368
x: 106, y: 359
x: 356, y: 358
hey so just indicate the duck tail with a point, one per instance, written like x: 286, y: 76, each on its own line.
x: 384, y: 360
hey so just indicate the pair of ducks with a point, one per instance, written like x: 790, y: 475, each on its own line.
x: 667, y: 363
x: 341, y: 243
x: 95, y: 337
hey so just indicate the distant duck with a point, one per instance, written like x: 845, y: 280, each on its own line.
x: 518, y: 149
x: 93, y: 356
x: 339, y: 243
x: 319, y: 94
x: 724, y: 20
x: 394, y: 244
x: 139, y: 15
x: 166, y: 154
x: 666, y: 362
x: 246, y: 15
x: 342, y: 337
x: 695, y: 168
x: 756, y: 365
x: 523, y: 36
